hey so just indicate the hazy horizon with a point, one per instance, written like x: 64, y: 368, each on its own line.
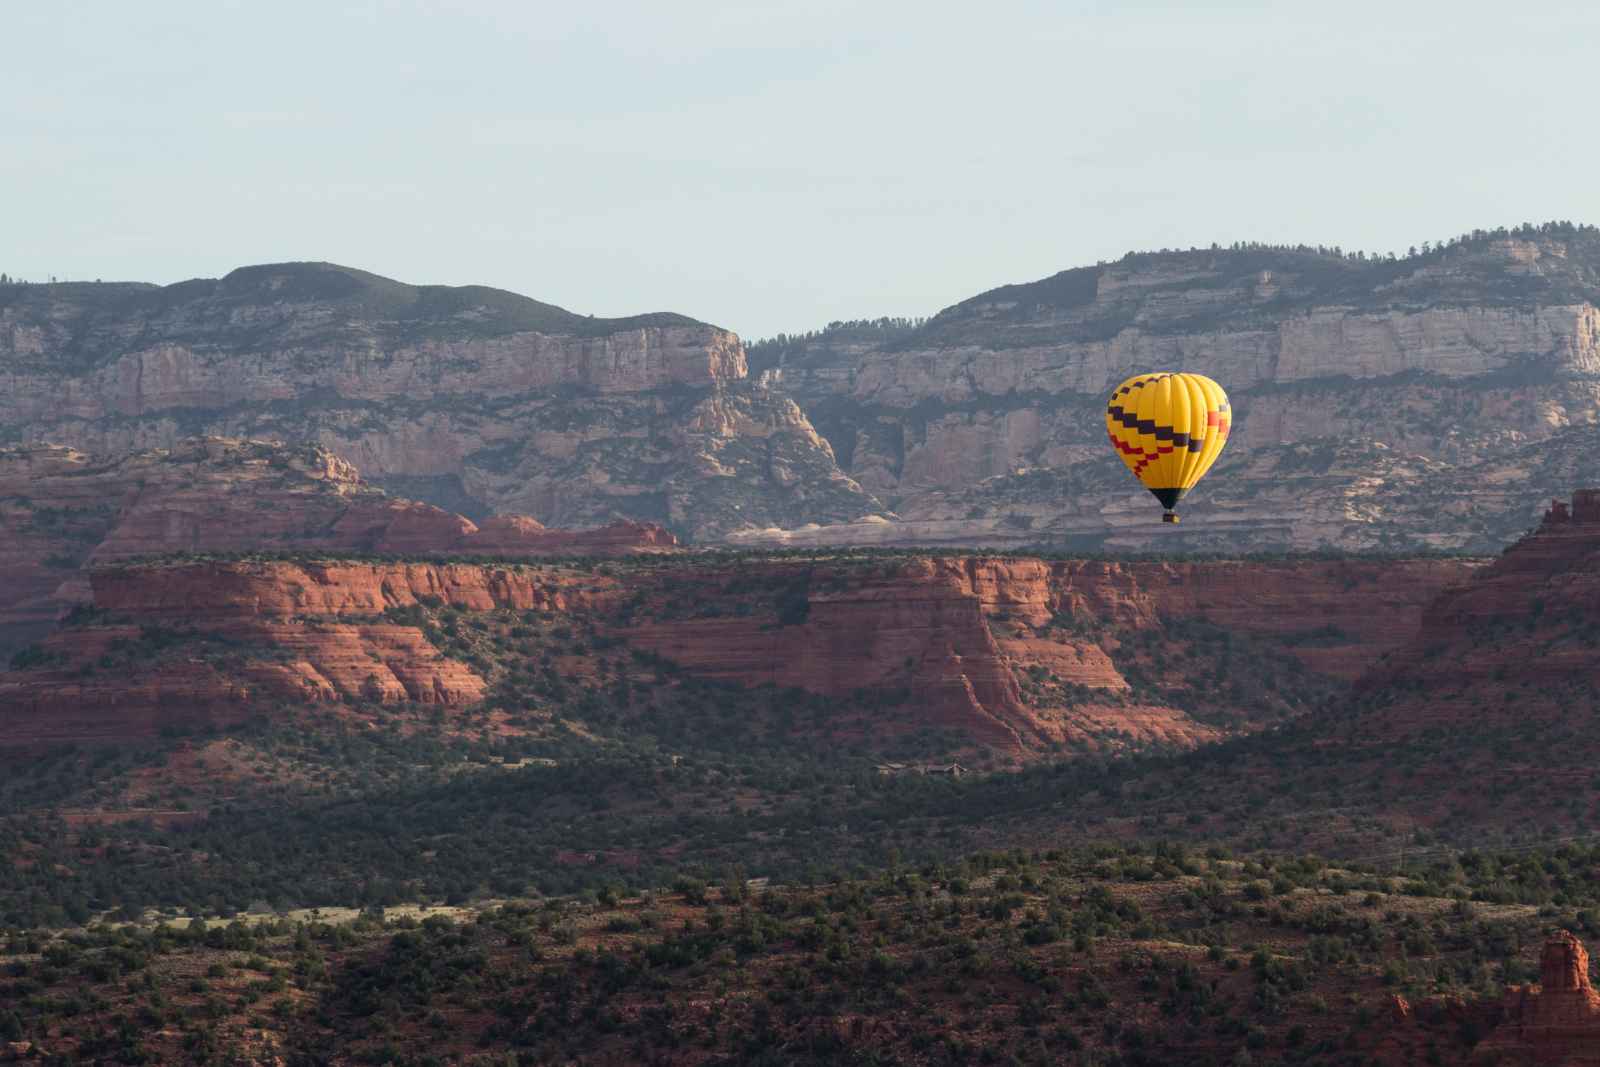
x: 770, y: 167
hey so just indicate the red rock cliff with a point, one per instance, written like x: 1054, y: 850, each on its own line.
x: 200, y: 591
x: 960, y: 632
x: 62, y: 510
x: 1010, y: 652
x: 1525, y: 626
x: 1553, y: 1024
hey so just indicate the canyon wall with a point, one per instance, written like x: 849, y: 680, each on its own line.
x: 1424, y: 402
x: 1008, y: 649
x: 1517, y: 644
x: 1432, y: 401
x: 63, y: 511
x: 1018, y: 656
x: 475, y: 399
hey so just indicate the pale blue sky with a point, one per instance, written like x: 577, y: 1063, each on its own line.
x: 771, y: 166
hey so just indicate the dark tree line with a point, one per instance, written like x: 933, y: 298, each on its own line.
x: 1477, y: 238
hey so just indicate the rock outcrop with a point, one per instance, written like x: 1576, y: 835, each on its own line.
x: 117, y: 683
x: 1553, y: 1024
x: 1430, y: 401
x: 175, y: 644
x: 1519, y: 642
x: 1015, y: 650
x: 475, y: 399
x: 1480, y: 724
x: 1556, y: 1023
x: 62, y: 510
x: 1018, y: 656
x: 182, y: 593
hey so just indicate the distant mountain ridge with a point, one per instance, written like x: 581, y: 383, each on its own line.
x: 478, y: 399
x: 1433, y: 401
x: 981, y: 425
x: 1470, y: 270
x: 203, y: 308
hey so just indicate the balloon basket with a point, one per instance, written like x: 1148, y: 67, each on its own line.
x: 1171, y: 516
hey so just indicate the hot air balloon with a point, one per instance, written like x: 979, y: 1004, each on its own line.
x: 1169, y: 429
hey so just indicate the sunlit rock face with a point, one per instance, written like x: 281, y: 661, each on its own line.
x: 1020, y: 658
x: 63, y: 511
x: 1435, y: 401
x: 1553, y: 1024
x: 476, y: 400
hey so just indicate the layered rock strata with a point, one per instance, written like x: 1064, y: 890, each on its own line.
x: 62, y: 510
x: 1517, y: 643
x: 477, y: 399
x: 1020, y: 656
x: 1378, y: 403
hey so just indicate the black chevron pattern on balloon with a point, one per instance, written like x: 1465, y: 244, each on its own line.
x: 1160, y: 433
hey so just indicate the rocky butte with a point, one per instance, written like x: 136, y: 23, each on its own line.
x: 1553, y: 1024
x: 1433, y: 400
x: 474, y: 399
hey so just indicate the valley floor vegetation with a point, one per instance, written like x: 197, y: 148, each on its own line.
x: 1102, y: 955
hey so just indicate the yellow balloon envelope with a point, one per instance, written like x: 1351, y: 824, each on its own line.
x: 1169, y: 429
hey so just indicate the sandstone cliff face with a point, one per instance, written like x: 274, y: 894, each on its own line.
x: 110, y: 684
x: 1556, y: 1023
x: 1475, y: 730
x: 984, y: 426
x: 62, y: 510
x: 486, y: 400
x: 1370, y: 396
x: 1553, y: 1024
x: 200, y: 591
x: 1481, y: 723
x: 180, y: 644
x: 1009, y: 650
x: 1017, y: 656
x: 1518, y: 643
